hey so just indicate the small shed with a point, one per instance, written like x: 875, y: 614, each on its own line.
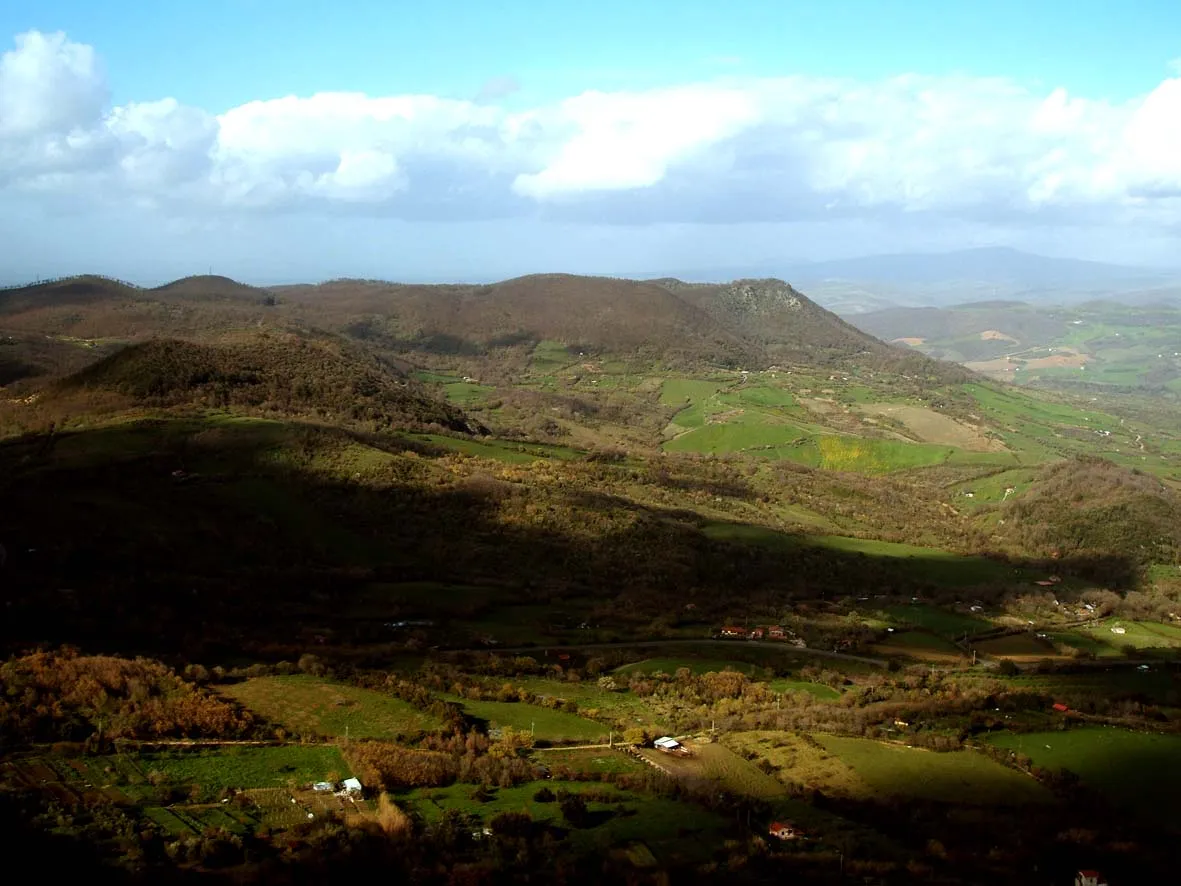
x: 323, y: 786
x: 1060, y: 707
x: 351, y: 786
x: 667, y: 743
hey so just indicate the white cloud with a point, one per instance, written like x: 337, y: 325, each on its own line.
x: 620, y: 141
x: 732, y: 150
x: 49, y: 85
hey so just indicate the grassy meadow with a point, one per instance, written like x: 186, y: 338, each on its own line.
x: 545, y: 723
x: 308, y: 705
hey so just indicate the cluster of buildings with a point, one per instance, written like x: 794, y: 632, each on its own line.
x: 350, y: 787
x: 769, y: 632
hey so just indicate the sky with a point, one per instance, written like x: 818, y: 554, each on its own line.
x: 279, y: 140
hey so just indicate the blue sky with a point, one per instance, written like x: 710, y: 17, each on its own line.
x: 612, y: 136
x: 220, y: 53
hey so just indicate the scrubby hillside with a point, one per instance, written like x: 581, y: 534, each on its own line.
x: 278, y: 373
x: 214, y: 288
x: 1090, y: 506
x: 595, y: 314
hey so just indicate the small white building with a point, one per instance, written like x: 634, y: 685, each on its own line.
x: 1119, y: 630
x: 323, y: 786
x: 351, y: 787
x: 667, y: 743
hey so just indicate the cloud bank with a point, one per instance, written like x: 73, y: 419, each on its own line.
x: 729, y: 151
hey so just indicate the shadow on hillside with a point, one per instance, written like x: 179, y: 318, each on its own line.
x: 224, y: 543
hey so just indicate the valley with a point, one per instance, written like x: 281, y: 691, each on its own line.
x: 479, y: 546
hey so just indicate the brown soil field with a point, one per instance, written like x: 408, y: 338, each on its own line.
x: 1066, y: 357
x: 996, y: 335
x: 913, y: 341
x: 931, y: 426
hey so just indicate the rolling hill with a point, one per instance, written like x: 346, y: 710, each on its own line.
x: 286, y: 374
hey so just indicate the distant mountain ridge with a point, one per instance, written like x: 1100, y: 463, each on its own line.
x: 875, y: 282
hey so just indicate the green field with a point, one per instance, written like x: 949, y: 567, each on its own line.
x: 497, y: 450
x: 673, y: 830
x: 944, y: 622
x: 1135, y: 770
x: 549, y: 355
x: 311, y: 706
x: 1145, y: 636
x: 464, y: 393
x: 678, y: 391
x: 590, y: 696
x: 247, y: 767
x: 590, y: 760
x: 819, y: 690
x: 958, y: 777
x: 546, y: 724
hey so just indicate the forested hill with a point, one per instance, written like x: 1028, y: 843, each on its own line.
x: 746, y: 324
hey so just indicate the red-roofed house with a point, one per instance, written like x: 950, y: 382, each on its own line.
x: 756, y: 633
x: 776, y: 632
x: 1060, y: 707
x: 733, y: 631
x: 783, y: 830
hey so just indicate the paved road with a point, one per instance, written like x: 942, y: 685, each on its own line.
x: 631, y: 644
